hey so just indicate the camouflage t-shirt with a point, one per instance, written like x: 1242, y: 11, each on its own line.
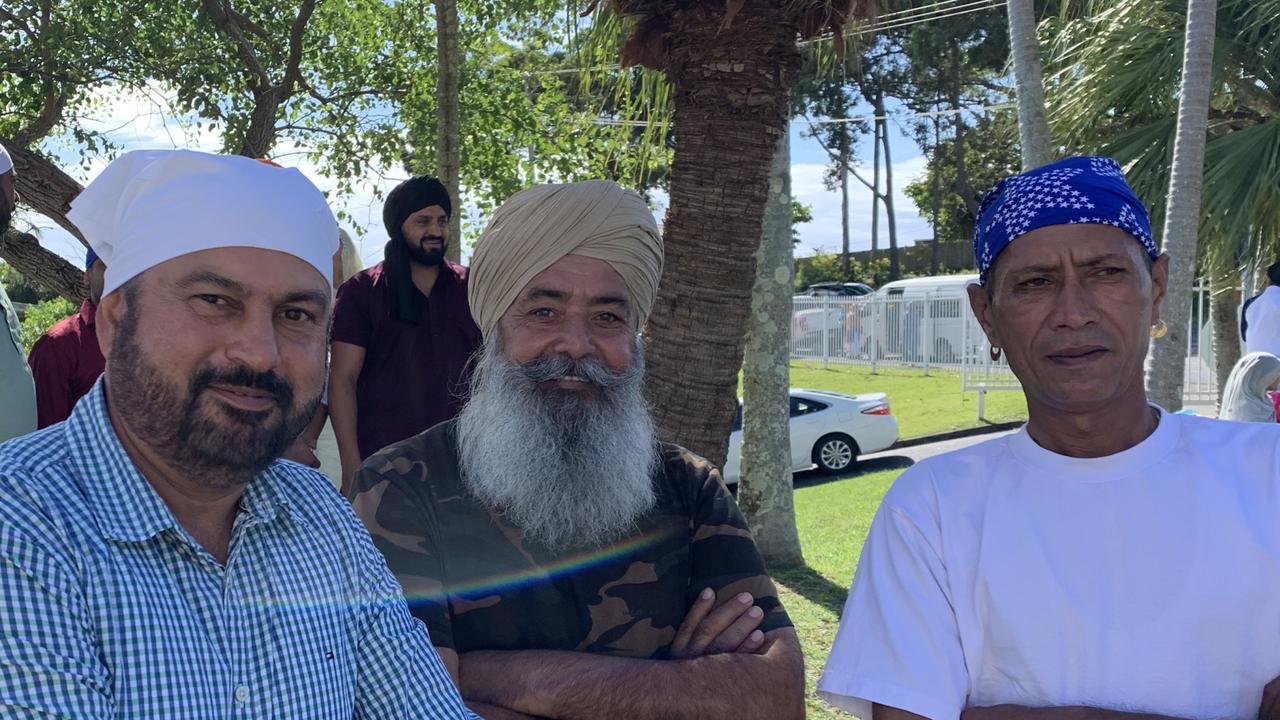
x: 479, y: 585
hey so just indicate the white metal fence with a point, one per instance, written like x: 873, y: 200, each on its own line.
x: 940, y: 332
x: 922, y: 333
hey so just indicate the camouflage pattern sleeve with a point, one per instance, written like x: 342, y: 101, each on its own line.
x: 724, y: 555
x: 391, y: 502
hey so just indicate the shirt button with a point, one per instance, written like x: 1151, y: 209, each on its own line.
x: 242, y: 694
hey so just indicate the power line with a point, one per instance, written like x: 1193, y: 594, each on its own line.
x: 978, y: 6
x: 853, y: 118
x: 972, y: 7
x: 923, y: 10
x: 907, y: 116
x: 955, y: 8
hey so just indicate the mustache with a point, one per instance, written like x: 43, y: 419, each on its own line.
x: 551, y: 367
x: 268, y: 382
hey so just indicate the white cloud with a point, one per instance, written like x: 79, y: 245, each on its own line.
x: 824, y: 232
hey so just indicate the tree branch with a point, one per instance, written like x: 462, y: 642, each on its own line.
x: 10, y: 17
x: 296, y: 34
x: 220, y: 14
x: 42, y: 124
x: 39, y: 265
x: 305, y: 128
x: 835, y: 158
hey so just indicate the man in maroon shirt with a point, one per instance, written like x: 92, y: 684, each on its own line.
x: 402, y: 335
x: 66, y: 360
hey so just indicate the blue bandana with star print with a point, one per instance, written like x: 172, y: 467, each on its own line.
x: 1074, y: 190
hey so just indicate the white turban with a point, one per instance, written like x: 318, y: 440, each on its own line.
x: 150, y: 206
x: 539, y: 226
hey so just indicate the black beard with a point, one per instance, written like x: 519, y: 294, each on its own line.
x: 430, y: 258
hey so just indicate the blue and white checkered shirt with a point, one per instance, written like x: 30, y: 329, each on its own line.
x: 109, y: 609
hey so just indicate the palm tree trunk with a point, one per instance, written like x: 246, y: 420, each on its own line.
x: 731, y: 93
x: 1033, y: 126
x: 1182, y: 222
x: 1223, y: 308
x: 765, y: 491
x: 448, y: 122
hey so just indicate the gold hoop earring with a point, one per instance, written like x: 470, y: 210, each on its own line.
x: 995, y: 353
x: 1159, y: 330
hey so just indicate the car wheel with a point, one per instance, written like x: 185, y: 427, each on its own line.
x: 835, y: 453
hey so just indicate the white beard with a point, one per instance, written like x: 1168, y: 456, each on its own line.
x: 570, y: 468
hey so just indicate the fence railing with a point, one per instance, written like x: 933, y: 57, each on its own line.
x: 940, y: 332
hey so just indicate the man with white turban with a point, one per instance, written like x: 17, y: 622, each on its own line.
x: 566, y: 563
x: 156, y: 559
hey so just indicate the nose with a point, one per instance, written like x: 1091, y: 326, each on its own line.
x: 1074, y: 306
x: 574, y: 338
x: 254, y: 344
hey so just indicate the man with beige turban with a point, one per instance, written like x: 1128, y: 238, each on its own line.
x: 566, y: 563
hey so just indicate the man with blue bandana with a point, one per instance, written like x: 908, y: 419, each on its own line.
x: 1109, y: 560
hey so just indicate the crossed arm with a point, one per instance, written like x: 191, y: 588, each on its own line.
x: 721, y: 667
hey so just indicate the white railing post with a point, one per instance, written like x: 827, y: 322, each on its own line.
x: 930, y: 341
x: 826, y: 339
x: 874, y: 345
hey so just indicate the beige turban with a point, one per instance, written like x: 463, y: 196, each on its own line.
x: 536, y: 227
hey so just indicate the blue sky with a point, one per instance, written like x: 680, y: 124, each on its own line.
x: 134, y: 122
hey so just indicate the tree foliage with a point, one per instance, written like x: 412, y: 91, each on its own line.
x: 992, y: 155
x: 1114, y: 74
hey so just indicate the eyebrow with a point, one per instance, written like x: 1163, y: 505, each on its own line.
x: 543, y: 293
x: 1090, y: 262
x: 208, y: 277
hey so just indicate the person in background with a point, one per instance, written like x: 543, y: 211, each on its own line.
x: 18, y: 392
x: 1260, y: 316
x: 8, y: 194
x: 66, y: 361
x: 1248, y: 393
x: 316, y: 446
x: 403, y: 336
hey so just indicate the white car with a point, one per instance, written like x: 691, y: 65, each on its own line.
x: 828, y: 431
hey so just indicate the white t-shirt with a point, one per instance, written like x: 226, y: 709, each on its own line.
x: 6, y: 163
x: 1263, y: 317
x: 1148, y: 580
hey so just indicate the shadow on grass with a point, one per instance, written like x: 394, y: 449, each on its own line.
x: 813, y: 478
x: 812, y: 586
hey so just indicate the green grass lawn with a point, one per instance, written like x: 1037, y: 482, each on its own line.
x: 833, y: 518
x: 923, y: 404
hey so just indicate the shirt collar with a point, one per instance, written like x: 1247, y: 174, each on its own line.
x: 123, y: 502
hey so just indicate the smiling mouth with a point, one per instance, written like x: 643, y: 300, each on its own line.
x: 244, y: 398
x: 568, y: 382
